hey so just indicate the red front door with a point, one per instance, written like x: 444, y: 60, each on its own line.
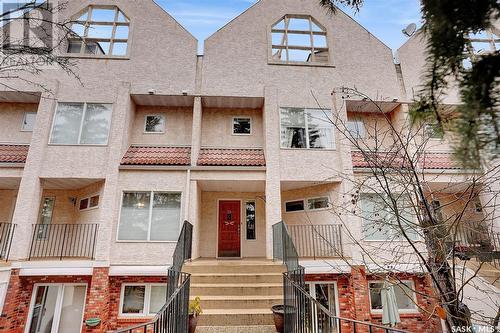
x: 229, y: 229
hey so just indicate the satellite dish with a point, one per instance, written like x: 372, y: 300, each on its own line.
x: 410, y: 30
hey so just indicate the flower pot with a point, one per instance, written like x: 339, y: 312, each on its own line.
x: 193, y: 321
x: 279, y: 317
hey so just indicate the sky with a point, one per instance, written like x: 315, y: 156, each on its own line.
x: 383, y: 18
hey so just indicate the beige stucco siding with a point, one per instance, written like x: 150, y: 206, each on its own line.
x: 11, y: 119
x: 217, y: 128
x: 209, y: 223
x: 178, y: 126
x: 7, y: 202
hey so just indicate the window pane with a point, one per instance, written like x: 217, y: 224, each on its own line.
x: 74, y: 46
x: 43, y: 309
x: 404, y: 296
x: 250, y: 215
x: 94, y: 201
x: 96, y: 124
x: 242, y: 126
x: 299, y: 55
x: 120, y: 49
x: 133, y: 299
x: 72, y: 309
x: 294, y: 206
x: 293, y: 128
x: 134, y: 218
x: 278, y: 38
x: 155, y: 124
x: 121, y: 17
x: 100, y: 31
x: 318, y: 203
x: 121, y: 32
x: 84, y: 203
x: 298, y: 24
x: 375, y: 224
x: 67, y: 123
x: 356, y: 129
x: 299, y: 40
x: 78, y: 29
x: 319, y: 41
x: 166, y: 217
x: 29, y: 121
x: 320, y: 129
x: 158, y: 298
x: 103, y: 15
x: 375, y: 295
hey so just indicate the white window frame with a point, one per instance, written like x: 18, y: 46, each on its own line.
x: 58, y: 305
x: 413, y: 297
x: 118, y: 240
x: 312, y: 293
x: 24, y: 121
x: 155, y: 115
x: 81, y: 126
x: 89, y: 197
x: 296, y: 211
x: 242, y: 134
x: 318, y: 209
x: 308, y: 145
x: 361, y: 132
x: 147, y: 299
x: 3, y: 294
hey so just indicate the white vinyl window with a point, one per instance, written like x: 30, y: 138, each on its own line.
x: 299, y: 39
x: 150, y: 216
x: 306, y: 129
x: 141, y: 300
x: 326, y: 294
x: 404, y: 291
x: 154, y: 124
x: 318, y: 203
x: 57, y: 308
x: 379, y: 220
x: 29, y: 120
x: 294, y: 206
x: 242, y: 126
x: 81, y: 124
x: 100, y: 31
x: 89, y: 202
x: 356, y: 129
x: 3, y: 294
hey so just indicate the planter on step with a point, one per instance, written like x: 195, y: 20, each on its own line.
x: 193, y: 322
x: 279, y: 317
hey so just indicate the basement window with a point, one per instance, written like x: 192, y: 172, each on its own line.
x: 100, y: 31
x: 299, y: 39
x: 404, y: 291
x: 142, y: 299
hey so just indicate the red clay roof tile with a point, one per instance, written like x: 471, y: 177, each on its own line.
x: 13, y: 153
x: 141, y: 155
x: 441, y: 161
x: 231, y: 157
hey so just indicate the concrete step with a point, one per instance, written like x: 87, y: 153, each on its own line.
x: 236, y: 317
x: 230, y: 266
x: 240, y: 302
x: 236, y: 329
x: 237, y: 277
x: 235, y: 289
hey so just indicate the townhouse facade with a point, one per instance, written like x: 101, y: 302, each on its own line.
x: 98, y: 173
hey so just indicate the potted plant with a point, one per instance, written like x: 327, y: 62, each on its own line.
x: 194, y: 312
x: 279, y: 316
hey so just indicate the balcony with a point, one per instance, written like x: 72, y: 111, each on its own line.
x: 63, y: 241
x: 474, y: 240
x: 317, y: 241
x: 6, y: 234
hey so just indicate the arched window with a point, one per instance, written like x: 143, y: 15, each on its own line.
x: 101, y: 31
x: 299, y: 39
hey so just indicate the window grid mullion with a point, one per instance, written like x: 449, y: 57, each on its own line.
x: 287, y: 20
x: 151, y: 199
x: 307, y: 129
x: 81, y: 123
x: 147, y: 297
x: 312, y: 39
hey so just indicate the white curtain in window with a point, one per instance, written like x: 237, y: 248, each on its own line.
x: 96, y: 124
x: 134, y: 218
x: 66, y: 129
x: 165, y: 217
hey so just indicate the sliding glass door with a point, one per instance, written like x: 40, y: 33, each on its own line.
x: 57, y: 308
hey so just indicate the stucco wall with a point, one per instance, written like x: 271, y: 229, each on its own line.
x: 11, y: 119
x: 217, y: 128
x: 7, y: 202
x: 209, y: 224
x: 178, y: 126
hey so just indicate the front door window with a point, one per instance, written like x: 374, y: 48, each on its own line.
x: 57, y: 308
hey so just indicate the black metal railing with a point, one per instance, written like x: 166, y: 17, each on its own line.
x: 6, y: 235
x: 174, y: 315
x: 304, y: 314
x: 63, y: 241
x: 317, y: 241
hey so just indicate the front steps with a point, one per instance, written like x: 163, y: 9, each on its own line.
x: 236, y: 295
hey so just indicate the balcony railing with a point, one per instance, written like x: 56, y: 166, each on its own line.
x: 61, y: 241
x: 317, y: 241
x: 6, y: 234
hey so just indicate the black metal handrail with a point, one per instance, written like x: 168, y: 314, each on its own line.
x: 173, y: 316
x: 63, y: 241
x: 317, y: 241
x: 6, y: 235
x: 284, y: 249
x: 303, y: 313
